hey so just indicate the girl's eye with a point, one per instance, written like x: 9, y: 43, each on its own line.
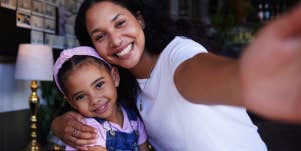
x: 99, y: 85
x: 79, y: 97
x: 99, y: 37
x: 120, y: 23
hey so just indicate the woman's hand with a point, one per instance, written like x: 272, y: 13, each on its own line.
x: 271, y: 69
x: 72, y: 131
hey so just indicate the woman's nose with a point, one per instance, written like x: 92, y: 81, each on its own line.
x: 116, y: 40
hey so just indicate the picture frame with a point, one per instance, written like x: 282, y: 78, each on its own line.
x: 37, y: 7
x: 37, y: 23
x: 10, y: 4
x: 71, y: 5
x: 52, y: 2
x: 24, y: 5
x: 49, y: 25
x: 49, y: 11
x: 37, y: 37
x: 55, y: 41
x: 23, y: 19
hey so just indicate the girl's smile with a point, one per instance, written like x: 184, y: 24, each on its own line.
x: 101, y: 109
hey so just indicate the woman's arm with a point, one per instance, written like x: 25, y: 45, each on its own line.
x: 209, y: 79
x: 271, y: 68
x: 64, y: 125
x: 144, y: 147
x: 266, y: 79
x: 96, y: 148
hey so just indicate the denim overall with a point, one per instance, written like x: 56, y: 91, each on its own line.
x: 121, y: 141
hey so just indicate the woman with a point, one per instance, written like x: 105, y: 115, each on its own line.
x: 174, y: 72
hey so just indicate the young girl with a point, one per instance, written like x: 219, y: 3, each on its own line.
x: 182, y: 84
x: 89, y: 84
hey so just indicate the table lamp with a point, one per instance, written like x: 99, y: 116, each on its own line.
x: 34, y: 63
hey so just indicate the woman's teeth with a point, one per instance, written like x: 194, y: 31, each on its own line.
x: 125, y: 51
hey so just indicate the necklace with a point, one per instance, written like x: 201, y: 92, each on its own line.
x: 113, y: 133
x: 145, y: 84
x: 141, y: 95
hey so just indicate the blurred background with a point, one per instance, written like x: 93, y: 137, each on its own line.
x: 230, y: 24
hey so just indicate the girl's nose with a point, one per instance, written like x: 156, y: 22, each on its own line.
x: 94, y: 100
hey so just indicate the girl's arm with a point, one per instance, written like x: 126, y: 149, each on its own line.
x: 266, y: 80
x: 63, y: 126
x: 144, y: 147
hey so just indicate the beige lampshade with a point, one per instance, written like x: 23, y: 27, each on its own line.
x: 34, y: 62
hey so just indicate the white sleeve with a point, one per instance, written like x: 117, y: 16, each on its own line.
x: 142, y: 132
x: 182, y: 49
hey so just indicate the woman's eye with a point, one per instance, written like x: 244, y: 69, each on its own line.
x: 99, y: 85
x: 79, y: 97
x: 120, y: 23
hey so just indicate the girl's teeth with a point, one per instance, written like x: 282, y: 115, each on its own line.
x: 125, y: 51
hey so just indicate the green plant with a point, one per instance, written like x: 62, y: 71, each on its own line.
x: 231, y: 15
x: 53, y: 103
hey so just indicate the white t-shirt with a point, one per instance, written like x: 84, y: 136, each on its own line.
x: 174, y: 124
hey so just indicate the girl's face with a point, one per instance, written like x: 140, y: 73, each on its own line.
x: 116, y: 33
x: 91, y: 90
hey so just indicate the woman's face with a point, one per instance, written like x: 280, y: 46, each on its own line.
x: 116, y: 33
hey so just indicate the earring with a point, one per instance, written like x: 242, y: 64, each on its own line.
x: 142, y: 25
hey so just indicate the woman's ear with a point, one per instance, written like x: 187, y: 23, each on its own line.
x: 115, y: 76
x: 140, y: 19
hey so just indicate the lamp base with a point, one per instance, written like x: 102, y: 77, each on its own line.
x: 33, y: 146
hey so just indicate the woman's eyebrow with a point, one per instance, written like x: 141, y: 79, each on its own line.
x: 112, y: 20
x: 116, y: 17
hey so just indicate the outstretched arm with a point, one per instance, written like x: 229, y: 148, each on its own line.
x: 209, y: 79
x: 266, y: 80
x: 270, y: 69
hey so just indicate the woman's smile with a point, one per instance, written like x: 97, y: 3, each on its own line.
x: 126, y: 51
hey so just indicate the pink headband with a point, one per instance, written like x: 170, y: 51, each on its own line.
x: 69, y: 53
